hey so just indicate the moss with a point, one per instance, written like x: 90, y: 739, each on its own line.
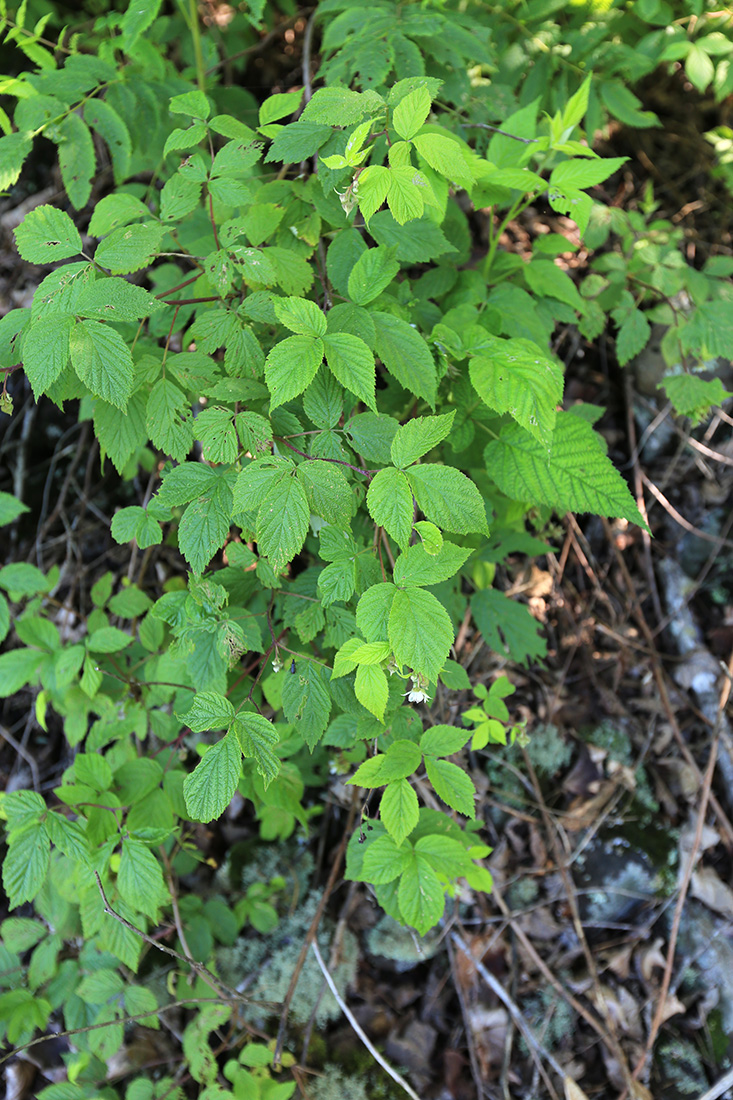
x: 548, y: 750
x: 335, y: 1085
x: 393, y: 941
x: 680, y: 1065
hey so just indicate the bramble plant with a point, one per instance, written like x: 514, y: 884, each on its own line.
x: 280, y: 314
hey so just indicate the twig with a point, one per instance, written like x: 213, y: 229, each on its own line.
x: 475, y: 1069
x: 311, y: 933
x: 24, y: 754
x: 719, y: 1087
x: 354, y: 1023
x: 223, y: 991
x: 498, y: 990
x: 679, y: 518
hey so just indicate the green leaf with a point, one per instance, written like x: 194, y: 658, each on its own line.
x: 282, y: 522
x: 633, y: 335
x: 139, y: 16
x: 546, y: 279
x: 10, y: 509
x: 418, y: 436
x: 129, y: 248
x: 214, y: 427
x: 205, y: 525
x: 116, y: 300
x: 420, y: 631
x: 21, y: 933
x: 374, y: 183
x: 209, y: 711
x: 693, y: 396
x: 373, y: 610
x: 452, y: 785
x: 399, y: 811
x: 115, y: 210
x: 371, y: 274
x: 580, y: 173
x: 278, y: 106
x: 445, y: 855
x: 298, y: 141
x: 698, y: 67
x: 577, y: 477
x: 45, y: 350
x: 420, y: 241
x: 20, y: 579
x: 26, y: 864
x: 135, y: 523
x: 257, y: 736
x: 416, y: 567
x: 102, y: 360
x: 105, y: 120
x: 448, y: 498
x: 168, y: 420
x: 515, y: 377
x: 108, y: 639
x: 328, y: 492
x: 193, y: 104
x: 443, y: 740
x: 47, y: 235
x: 445, y: 156
x: 352, y: 364
x: 210, y: 787
x: 621, y: 102
x: 371, y: 689
x: 405, y: 355
x: 14, y: 148
x: 408, y: 188
x: 507, y: 626
x: 140, y: 878
x: 300, y: 316
x: 179, y: 197
x: 18, y: 668
x: 291, y: 366
x: 339, y: 106
x: 76, y: 159
x: 420, y: 895
x: 337, y: 582
x: 306, y: 701
x: 384, y: 861
x: 389, y: 501
x: 323, y: 400
x: 410, y: 113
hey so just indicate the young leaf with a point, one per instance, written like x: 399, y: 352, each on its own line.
x: 452, y: 785
x: 448, y: 498
x: 633, y: 335
x: 399, y: 811
x: 445, y: 855
x: 445, y: 155
x: 420, y: 895
x: 46, y: 235
x: 300, y: 316
x: 102, y: 360
x: 420, y: 631
x: 291, y: 366
x: 209, y: 788
x: 371, y: 689
x: 389, y: 500
x: 384, y: 860
x: 577, y: 174
x: 515, y: 377
x: 416, y: 567
x: 410, y: 113
x: 418, y: 436
x: 443, y: 740
x: 374, y: 183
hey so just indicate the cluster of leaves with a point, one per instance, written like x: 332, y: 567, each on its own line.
x: 354, y: 389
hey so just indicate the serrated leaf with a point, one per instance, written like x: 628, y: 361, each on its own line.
x: 416, y: 567
x: 577, y: 477
x: 445, y: 855
x: 371, y: 274
x: 105, y: 120
x: 371, y: 689
x: 26, y: 864
x: 515, y: 377
x: 389, y: 501
x: 408, y: 189
x: 114, y: 211
x: 445, y: 156
x: 546, y: 279
x: 405, y: 355
x: 328, y: 492
x: 384, y: 860
x: 46, y: 235
x: 507, y: 626
x: 632, y: 336
x: 138, y: 17
x: 420, y: 895
x: 693, y: 396
x: 204, y: 528
x: 115, y: 299
x: 76, y: 159
x: 257, y: 736
x: 420, y: 631
x: 399, y: 811
x: 168, y: 420
x: 410, y: 113
x: 418, y: 436
x: 209, y: 711
x: 372, y: 613
x: 192, y: 104
x: 129, y: 248
x: 621, y: 102
x: 577, y: 174
x: 301, y: 316
x: 179, y: 197
x: 306, y: 701
x: 102, y: 360
x: 452, y: 785
x: 214, y: 428
x: 448, y: 498
x: 291, y: 366
x: 374, y: 184
x: 210, y: 787
x: 443, y: 740
x: 339, y: 106
x: 420, y: 241
x: 14, y: 148
x: 352, y: 364
x: 46, y: 350
x: 282, y: 522
x: 140, y: 878
x: 337, y: 582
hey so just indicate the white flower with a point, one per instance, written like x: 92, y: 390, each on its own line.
x: 277, y: 665
x: 417, y: 696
